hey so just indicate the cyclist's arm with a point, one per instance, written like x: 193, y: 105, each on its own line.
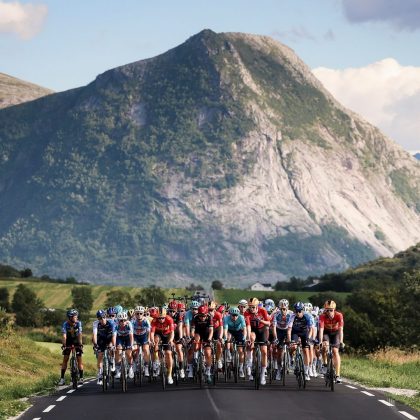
x: 131, y: 335
x: 289, y: 334
x: 210, y: 333
x: 80, y: 339
x: 321, y: 333
x: 340, y: 334
x: 181, y: 329
x: 64, y: 339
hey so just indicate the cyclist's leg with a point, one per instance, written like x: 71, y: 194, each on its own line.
x: 335, y: 343
x: 249, y: 355
x: 324, y: 351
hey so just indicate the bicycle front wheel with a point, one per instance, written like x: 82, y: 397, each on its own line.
x: 257, y: 368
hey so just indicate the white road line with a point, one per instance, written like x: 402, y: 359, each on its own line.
x: 213, y: 404
x: 351, y: 387
x: 367, y: 393
x: 71, y: 390
x: 36, y: 418
x: 61, y: 398
x: 408, y: 415
x: 49, y: 408
x: 386, y: 403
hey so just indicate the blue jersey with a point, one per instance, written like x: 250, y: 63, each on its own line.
x: 141, y: 327
x: 234, y: 325
x: 104, y: 330
x: 71, y: 330
x: 281, y: 321
x: 188, y: 317
x: 300, y: 325
x: 124, y: 330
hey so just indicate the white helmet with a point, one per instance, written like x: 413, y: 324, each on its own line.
x: 306, y: 308
x: 243, y: 302
x: 139, y: 309
x: 315, y: 311
x: 283, y: 303
x: 309, y: 305
x: 269, y: 302
x: 122, y: 316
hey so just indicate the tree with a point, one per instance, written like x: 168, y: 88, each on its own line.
x: 25, y: 273
x: 151, y: 295
x: 119, y: 297
x: 27, y: 307
x: 82, y: 300
x: 4, y: 299
x: 217, y: 285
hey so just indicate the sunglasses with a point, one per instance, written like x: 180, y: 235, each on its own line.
x: 194, y: 310
x: 252, y: 307
x: 233, y: 315
x: 329, y: 310
x: 182, y: 310
x: 139, y: 313
x: 171, y: 311
x: 284, y: 309
x: 161, y: 318
x: 101, y: 317
x: 242, y: 307
x: 298, y: 312
x: 202, y: 315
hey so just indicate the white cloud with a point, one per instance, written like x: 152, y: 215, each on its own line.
x: 25, y: 20
x: 385, y: 93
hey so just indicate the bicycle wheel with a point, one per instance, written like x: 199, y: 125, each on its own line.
x: 235, y: 362
x: 270, y: 366
x: 285, y: 363
x: 74, y: 371
x: 257, y: 367
x: 331, y: 373
x: 138, y: 376
x: 225, y: 363
x: 175, y: 368
x: 105, y: 372
x: 300, y: 371
x: 200, y: 368
x: 163, y: 369
x: 123, y: 375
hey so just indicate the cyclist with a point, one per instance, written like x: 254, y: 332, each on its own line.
x: 162, y: 331
x: 202, y: 331
x: 217, y: 331
x: 72, y: 336
x: 102, y: 337
x: 308, y: 309
x: 300, y: 327
x: 234, y: 326
x: 112, y: 315
x: 124, y: 334
x: 258, y: 323
x: 130, y: 314
x: 141, y: 335
x: 281, y: 321
x: 178, y: 334
x: 189, y: 315
x: 331, y: 324
x: 271, y: 309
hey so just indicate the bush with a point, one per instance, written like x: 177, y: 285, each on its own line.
x: 4, y: 299
x: 217, y: 285
x: 27, y: 307
x: 151, y: 295
x: 82, y: 300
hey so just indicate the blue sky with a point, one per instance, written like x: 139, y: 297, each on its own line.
x: 63, y: 44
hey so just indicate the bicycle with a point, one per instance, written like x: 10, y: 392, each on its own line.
x: 257, y: 363
x: 330, y: 376
x: 299, y: 367
x: 270, y: 363
x: 107, y: 374
x: 162, y: 362
x: 285, y: 363
x: 123, y: 367
x: 74, y: 369
x: 139, y: 366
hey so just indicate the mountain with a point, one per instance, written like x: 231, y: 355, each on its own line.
x: 417, y: 155
x: 15, y: 91
x: 221, y: 158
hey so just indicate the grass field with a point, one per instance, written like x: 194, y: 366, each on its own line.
x: 232, y: 296
x: 58, y: 295
x: 387, y: 369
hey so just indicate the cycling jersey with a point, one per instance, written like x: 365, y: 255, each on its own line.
x: 72, y: 331
x: 141, y: 327
x: 104, y: 330
x: 281, y: 320
x: 188, y: 317
x: 331, y: 325
x: 202, y: 326
x: 300, y: 325
x: 163, y: 328
x: 124, y: 330
x: 231, y: 324
x: 254, y: 319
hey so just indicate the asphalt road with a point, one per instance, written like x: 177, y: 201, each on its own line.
x: 226, y: 401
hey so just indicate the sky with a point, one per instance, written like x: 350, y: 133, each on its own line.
x: 365, y: 52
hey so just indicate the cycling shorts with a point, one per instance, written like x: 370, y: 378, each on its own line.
x: 216, y: 334
x: 281, y: 336
x: 164, y: 339
x: 124, y: 341
x: 332, y: 338
x: 67, y: 350
x: 259, y: 335
x: 103, y: 343
x: 303, y: 339
x: 238, y: 336
x: 141, y: 340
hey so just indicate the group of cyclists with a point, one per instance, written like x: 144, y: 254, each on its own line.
x: 212, y: 328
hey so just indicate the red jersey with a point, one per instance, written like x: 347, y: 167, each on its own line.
x: 254, y: 319
x: 217, y: 319
x: 331, y: 325
x: 165, y: 327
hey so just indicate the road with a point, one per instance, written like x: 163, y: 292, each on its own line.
x: 226, y: 401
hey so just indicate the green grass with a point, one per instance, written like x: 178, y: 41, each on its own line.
x: 27, y: 368
x: 384, y: 374
x: 58, y: 295
x: 233, y: 296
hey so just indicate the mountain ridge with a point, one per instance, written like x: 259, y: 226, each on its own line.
x: 223, y: 157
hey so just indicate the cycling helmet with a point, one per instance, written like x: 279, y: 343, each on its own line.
x: 181, y: 306
x: 72, y: 312
x: 315, y: 311
x: 283, y: 303
x: 234, y: 311
x: 122, y: 316
x: 118, y: 309
x: 330, y: 304
x: 154, y: 312
x: 173, y: 304
x: 139, y: 309
x: 309, y: 305
x: 203, y: 310
x: 162, y: 312
x: 269, y: 302
x: 100, y: 314
x: 194, y: 304
x: 253, y: 301
x: 243, y: 302
x: 111, y: 311
x: 306, y: 308
x: 221, y: 309
x: 212, y: 305
x: 130, y: 313
x: 298, y: 306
